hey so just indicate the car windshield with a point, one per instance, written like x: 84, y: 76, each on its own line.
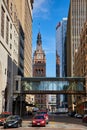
x: 42, y: 112
x: 4, y: 115
x: 11, y: 118
x: 39, y: 117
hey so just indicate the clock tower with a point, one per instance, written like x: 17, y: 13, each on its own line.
x: 39, y: 70
x: 39, y: 59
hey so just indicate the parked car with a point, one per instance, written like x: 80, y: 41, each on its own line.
x: 84, y: 119
x: 39, y: 120
x: 13, y: 121
x: 3, y: 116
x: 78, y: 115
x: 72, y: 113
x: 45, y: 114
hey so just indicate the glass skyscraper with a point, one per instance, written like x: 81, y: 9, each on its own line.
x: 60, y: 56
x: 60, y: 44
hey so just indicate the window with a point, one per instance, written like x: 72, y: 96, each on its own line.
x: 16, y: 85
x: 11, y: 26
x: 7, y: 29
x: 5, y: 71
x: 2, y: 21
x: 11, y: 7
x: 10, y: 36
x: 10, y: 46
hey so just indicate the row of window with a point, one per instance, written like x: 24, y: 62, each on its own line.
x: 39, y: 71
x: 7, y: 26
x: 7, y: 31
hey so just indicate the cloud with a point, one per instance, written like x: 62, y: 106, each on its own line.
x: 41, y: 8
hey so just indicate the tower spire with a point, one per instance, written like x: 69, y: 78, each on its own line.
x: 39, y: 40
x: 39, y: 27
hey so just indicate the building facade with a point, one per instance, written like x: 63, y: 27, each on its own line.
x: 57, y: 65
x: 9, y: 39
x: 61, y: 29
x: 24, y: 9
x: 59, y: 48
x: 21, y: 51
x: 39, y: 70
x: 13, y: 30
x: 80, y: 68
x: 24, y: 14
x: 39, y: 59
x: 60, y: 45
x: 77, y: 16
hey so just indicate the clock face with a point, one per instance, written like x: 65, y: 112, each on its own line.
x: 39, y: 56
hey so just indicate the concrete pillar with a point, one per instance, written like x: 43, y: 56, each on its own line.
x: 17, y: 84
x: 86, y: 84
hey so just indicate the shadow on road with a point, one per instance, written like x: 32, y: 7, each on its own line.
x: 66, y: 119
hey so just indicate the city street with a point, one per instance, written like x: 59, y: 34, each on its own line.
x: 43, y: 64
x: 59, y: 122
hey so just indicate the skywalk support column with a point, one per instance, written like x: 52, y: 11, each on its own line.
x: 17, y: 84
x: 86, y: 84
x: 85, y: 98
x: 17, y: 95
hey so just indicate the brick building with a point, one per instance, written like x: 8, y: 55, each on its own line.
x: 39, y: 70
x: 80, y: 68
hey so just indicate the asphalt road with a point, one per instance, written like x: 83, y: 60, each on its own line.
x: 56, y: 122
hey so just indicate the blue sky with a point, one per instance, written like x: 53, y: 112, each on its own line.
x: 48, y: 13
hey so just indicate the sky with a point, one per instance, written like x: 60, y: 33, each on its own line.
x: 46, y: 15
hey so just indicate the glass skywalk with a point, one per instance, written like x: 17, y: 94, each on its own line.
x: 53, y: 85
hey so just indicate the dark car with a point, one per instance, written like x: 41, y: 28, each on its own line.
x: 72, y: 113
x: 84, y: 119
x: 3, y: 116
x: 45, y: 114
x: 77, y: 115
x: 39, y: 120
x: 13, y: 121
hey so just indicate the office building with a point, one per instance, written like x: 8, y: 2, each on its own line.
x: 9, y: 40
x: 24, y: 9
x: 61, y: 29
x: 60, y: 46
x: 77, y: 16
x: 80, y: 68
x: 15, y: 25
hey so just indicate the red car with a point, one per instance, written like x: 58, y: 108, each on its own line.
x: 3, y: 117
x: 45, y: 114
x: 84, y: 119
x: 39, y: 120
